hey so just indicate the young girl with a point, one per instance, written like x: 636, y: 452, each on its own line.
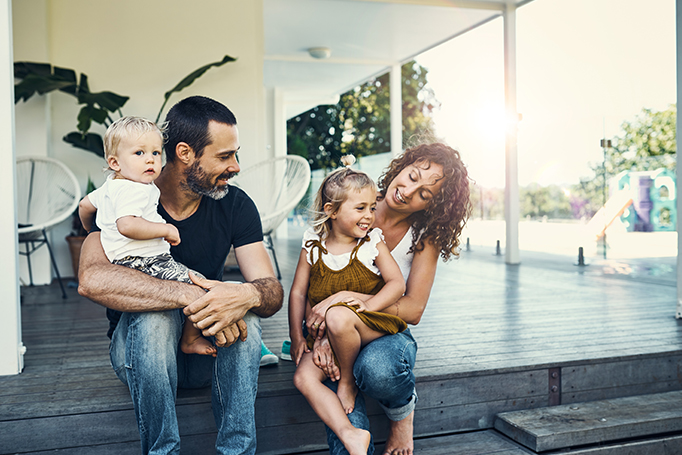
x: 133, y: 233
x: 342, y: 252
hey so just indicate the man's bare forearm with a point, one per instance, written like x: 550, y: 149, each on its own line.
x: 270, y: 296
x: 124, y: 289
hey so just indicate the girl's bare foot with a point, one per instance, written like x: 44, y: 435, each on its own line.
x: 198, y: 345
x: 400, y: 440
x: 356, y: 441
x: 347, y: 393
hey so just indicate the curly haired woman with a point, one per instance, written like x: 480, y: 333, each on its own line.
x: 422, y: 208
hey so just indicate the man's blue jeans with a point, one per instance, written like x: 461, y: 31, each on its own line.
x: 384, y: 371
x: 145, y: 356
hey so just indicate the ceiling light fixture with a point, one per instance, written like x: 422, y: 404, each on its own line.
x: 320, y: 52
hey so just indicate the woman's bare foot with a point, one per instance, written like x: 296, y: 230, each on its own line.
x: 347, y: 392
x: 198, y: 345
x: 400, y: 440
x: 356, y: 441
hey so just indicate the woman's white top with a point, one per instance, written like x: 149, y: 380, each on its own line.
x: 401, y: 255
x: 366, y: 254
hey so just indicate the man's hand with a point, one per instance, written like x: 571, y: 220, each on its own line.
x: 323, y: 358
x: 221, y: 307
x: 230, y: 335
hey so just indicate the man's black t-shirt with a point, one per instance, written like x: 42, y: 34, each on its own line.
x: 207, y: 235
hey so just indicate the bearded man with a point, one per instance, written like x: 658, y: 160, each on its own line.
x: 146, y: 314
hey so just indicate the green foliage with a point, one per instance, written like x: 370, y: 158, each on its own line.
x: 42, y: 78
x: 544, y: 201
x: 360, y: 122
x: 646, y: 143
x: 77, y: 228
x: 189, y: 79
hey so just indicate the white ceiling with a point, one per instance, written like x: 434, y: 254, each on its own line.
x: 366, y: 37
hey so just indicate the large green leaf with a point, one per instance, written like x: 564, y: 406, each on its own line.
x: 33, y: 83
x: 91, y: 142
x: 41, y: 78
x: 23, y: 69
x: 106, y: 100
x: 89, y: 114
x: 189, y: 79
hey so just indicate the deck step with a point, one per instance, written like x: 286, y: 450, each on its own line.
x: 597, y: 422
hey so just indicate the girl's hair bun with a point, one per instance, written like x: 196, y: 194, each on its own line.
x: 348, y: 160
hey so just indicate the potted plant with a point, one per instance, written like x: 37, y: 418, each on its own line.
x: 100, y: 107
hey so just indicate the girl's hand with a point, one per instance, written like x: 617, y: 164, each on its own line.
x: 323, y: 358
x: 315, y: 319
x: 298, y: 348
x: 358, y: 304
x: 173, y: 236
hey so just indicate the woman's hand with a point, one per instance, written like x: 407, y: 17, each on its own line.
x: 323, y: 358
x: 315, y: 319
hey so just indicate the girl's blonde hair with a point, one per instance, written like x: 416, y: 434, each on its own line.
x: 126, y: 127
x: 334, y: 190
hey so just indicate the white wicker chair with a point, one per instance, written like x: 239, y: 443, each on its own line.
x: 47, y: 194
x: 276, y: 186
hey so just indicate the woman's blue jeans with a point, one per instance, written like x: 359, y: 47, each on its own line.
x: 145, y: 356
x: 383, y: 371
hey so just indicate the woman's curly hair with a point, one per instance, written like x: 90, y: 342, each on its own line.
x: 448, y: 211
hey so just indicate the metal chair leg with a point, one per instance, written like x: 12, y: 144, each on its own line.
x: 54, y: 264
x: 271, y: 246
x: 28, y: 261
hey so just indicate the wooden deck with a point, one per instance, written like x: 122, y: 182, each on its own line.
x: 494, y: 338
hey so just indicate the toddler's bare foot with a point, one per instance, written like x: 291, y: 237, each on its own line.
x: 347, y: 391
x: 400, y: 440
x: 356, y: 441
x: 198, y: 345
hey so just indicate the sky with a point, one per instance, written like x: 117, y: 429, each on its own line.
x: 583, y: 68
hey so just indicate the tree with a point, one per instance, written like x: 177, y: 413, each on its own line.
x: 360, y: 122
x: 540, y: 201
x: 646, y: 143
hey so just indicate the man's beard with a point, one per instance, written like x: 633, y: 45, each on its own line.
x: 198, y: 182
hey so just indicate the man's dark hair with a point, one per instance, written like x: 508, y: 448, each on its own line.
x: 187, y: 122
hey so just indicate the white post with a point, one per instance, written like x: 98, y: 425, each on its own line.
x: 11, y: 348
x: 279, y: 126
x: 396, y: 104
x: 678, y: 23
x: 511, y: 189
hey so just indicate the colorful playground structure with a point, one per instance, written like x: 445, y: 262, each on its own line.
x: 645, y: 201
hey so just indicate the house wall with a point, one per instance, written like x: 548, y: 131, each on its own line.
x: 141, y: 50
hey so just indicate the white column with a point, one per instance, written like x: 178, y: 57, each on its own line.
x: 511, y: 189
x: 279, y: 125
x: 396, y: 100
x: 11, y: 355
x: 678, y: 23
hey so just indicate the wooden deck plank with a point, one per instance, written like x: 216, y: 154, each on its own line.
x: 581, y: 424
